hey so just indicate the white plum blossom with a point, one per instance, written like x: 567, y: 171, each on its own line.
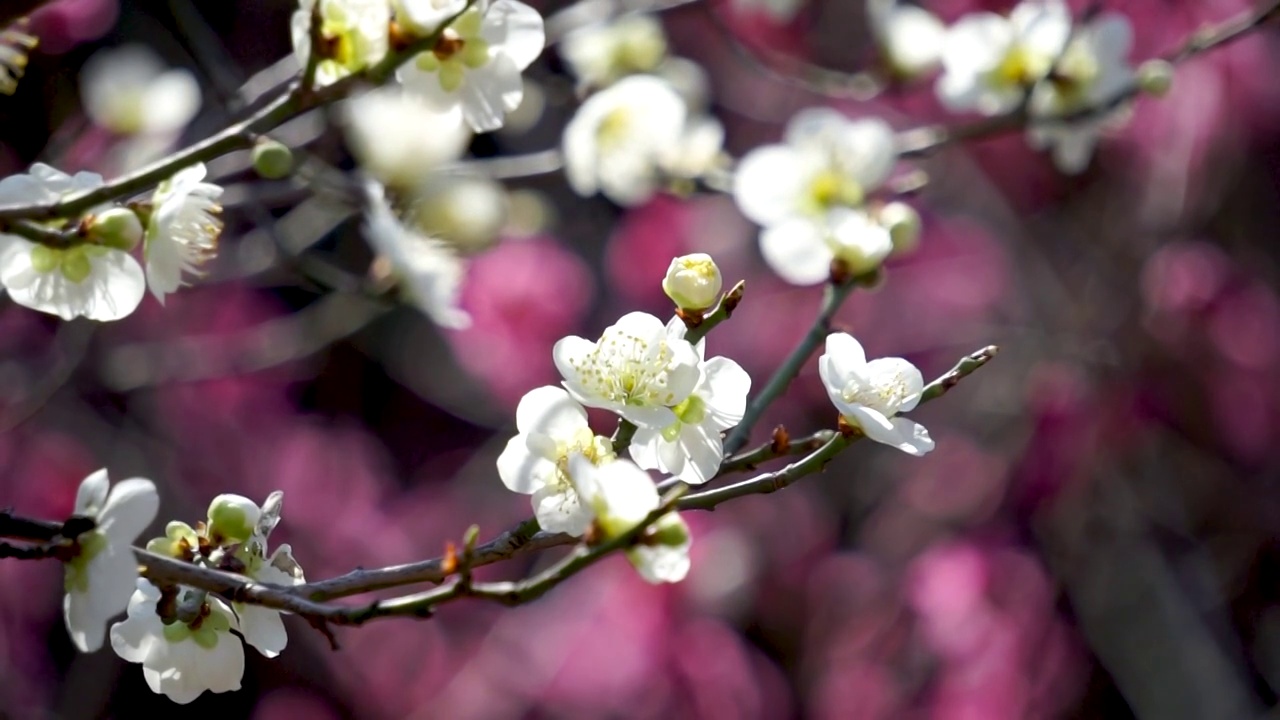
x: 466, y: 211
x: 991, y: 61
x: 870, y: 394
x: 809, y: 193
x: 909, y: 36
x: 691, y: 447
x: 129, y: 90
x: 1093, y: 71
x: 477, y: 61
x: 552, y: 427
x: 91, y: 280
x: 400, y: 139
x: 100, y: 578
x: 635, y: 370
x: 354, y: 36
x: 620, y: 495
x: 180, y: 660
x: 618, y: 138
x: 430, y: 271
x: 602, y: 54
x: 182, y: 233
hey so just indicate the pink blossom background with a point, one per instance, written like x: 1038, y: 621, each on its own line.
x: 1093, y: 537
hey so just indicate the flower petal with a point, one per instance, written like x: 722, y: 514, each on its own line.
x: 727, y: 386
x: 91, y: 497
x: 769, y: 182
x: 130, y: 508
x: 559, y: 511
x: 521, y: 470
x: 263, y: 628
x: 549, y: 410
x: 796, y: 250
x: 516, y: 29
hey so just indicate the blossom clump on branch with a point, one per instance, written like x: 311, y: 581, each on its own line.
x: 990, y: 61
x: 810, y: 194
x: 183, y: 636
x: 183, y: 230
x: 353, y: 35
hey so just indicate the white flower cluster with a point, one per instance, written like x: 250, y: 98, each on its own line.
x: 812, y: 194
x: 90, y: 271
x: 679, y: 403
x: 466, y: 78
x: 181, y: 636
x: 647, y: 128
x: 1069, y: 79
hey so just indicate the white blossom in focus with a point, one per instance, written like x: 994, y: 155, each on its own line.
x: 691, y: 447
x: 870, y: 394
x: 620, y: 496
x: 1093, y: 71
x: 476, y: 63
x: 551, y: 426
x: 100, y: 578
x: 400, y: 139
x: 634, y: 370
x: 178, y: 660
x: 129, y: 90
x: 430, y: 271
x: 809, y: 193
x: 991, y: 61
x: 354, y: 34
x: 183, y: 231
x: 909, y: 36
x: 602, y: 54
x: 95, y: 281
x: 618, y: 138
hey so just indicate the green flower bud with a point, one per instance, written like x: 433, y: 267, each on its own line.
x: 75, y: 264
x: 693, y: 282
x: 232, y: 519
x: 272, y: 160
x: 1155, y: 77
x: 118, y: 228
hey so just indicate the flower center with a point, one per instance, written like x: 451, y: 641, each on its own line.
x: 460, y: 47
x: 627, y: 369
x: 1073, y: 76
x: 1020, y: 68
x: 593, y: 447
x: 830, y: 188
x: 884, y: 395
x: 614, y: 128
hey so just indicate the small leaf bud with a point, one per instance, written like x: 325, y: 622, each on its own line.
x: 693, y: 282
x: 1155, y: 77
x: 272, y: 160
x: 118, y: 228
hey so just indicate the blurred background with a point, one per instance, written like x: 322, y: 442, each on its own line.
x: 1095, y: 536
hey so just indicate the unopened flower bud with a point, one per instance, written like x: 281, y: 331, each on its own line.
x: 118, y: 228
x: 1155, y: 77
x: 232, y: 519
x: 903, y: 223
x: 272, y: 159
x: 693, y: 282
